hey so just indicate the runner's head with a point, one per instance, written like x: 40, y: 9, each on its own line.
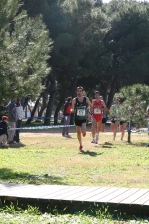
x: 80, y: 91
x: 97, y: 95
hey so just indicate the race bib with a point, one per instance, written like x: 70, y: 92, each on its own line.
x: 81, y: 112
x: 97, y: 111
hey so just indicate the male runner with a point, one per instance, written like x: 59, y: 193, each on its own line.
x: 98, y: 105
x: 79, y: 107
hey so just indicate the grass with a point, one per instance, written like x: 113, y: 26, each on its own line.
x: 46, y: 158
x: 52, y: 159
x: 15, y: 214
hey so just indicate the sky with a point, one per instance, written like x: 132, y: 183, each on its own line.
x: 106, y: 1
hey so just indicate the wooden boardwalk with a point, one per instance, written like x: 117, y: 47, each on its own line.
x: 130, y: 200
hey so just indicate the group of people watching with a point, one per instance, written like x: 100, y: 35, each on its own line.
x: 96, y: 111
x: 10, y: 121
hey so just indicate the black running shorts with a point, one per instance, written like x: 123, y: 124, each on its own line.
x: 80, y: 122
x: 104, y: 120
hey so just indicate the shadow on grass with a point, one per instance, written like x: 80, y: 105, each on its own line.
x: 107, y: 145
x: 9, y: 176
x: 90, y: 153
x: 139, y: 144
x: 18, y: 145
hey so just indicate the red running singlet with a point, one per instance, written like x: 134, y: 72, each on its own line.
x: 97, y: 110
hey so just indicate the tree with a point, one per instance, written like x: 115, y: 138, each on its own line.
x: 135, y: 102
x: 127, y: 44
x: 75, y: 28
x: 25, y: 50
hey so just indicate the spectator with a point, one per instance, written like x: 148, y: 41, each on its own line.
x: 66, y: 116
x: 2, y: 110
x: 19, y: 111
x: 12, y: 118
x: 3, y: 131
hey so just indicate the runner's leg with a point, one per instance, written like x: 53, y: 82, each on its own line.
x: 78, y: 130
x: 115, y: 129
x: 83, y: 129
x: 123, y: 127
x: 98, y: 130
x: 94, y: 126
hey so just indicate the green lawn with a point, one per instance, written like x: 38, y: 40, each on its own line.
x: 46, y: 158
x: 49, y: 158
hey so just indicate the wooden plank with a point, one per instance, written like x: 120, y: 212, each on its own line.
x: 62, y: 194
x: 34, y: 192
x: 51, y: 193
x: 134, y: 196
x: 106, y: 192
x: 76, y: 193
x: 87, y: 196
x: 43, y: 189
x: 14, y: 190
x: 112, y: 195
x: 123, y: 196
x: 142, y: 200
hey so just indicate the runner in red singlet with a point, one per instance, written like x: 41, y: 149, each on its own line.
x: 97, y: 106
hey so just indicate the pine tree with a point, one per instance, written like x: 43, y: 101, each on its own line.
x: 133, y: 109
x: 26, y: 47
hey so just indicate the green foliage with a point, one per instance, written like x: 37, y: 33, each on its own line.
x: 24, y: 51
x: 135, y: 102
x: 14, y: 213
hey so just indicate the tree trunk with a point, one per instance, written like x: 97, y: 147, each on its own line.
x: 29, y: 108
x: 105, y: 95
x: 129, y: 132
x: 34, y: 110
x: 42, y: 110
x: 51, y: 101
x: 44, y: 105
x: 129, y: 136
x: 24, y: 101
x: 61, y: 102
x: 111, y: 96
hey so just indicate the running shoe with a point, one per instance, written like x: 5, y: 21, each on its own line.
x: 84, y: 134
x: 93, y: 140
x: 80, y: 147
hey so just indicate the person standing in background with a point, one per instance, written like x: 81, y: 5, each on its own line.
x: 3, y: 131
x: 66, y: 116
x: 19, y: 111
x: 12, y: 118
